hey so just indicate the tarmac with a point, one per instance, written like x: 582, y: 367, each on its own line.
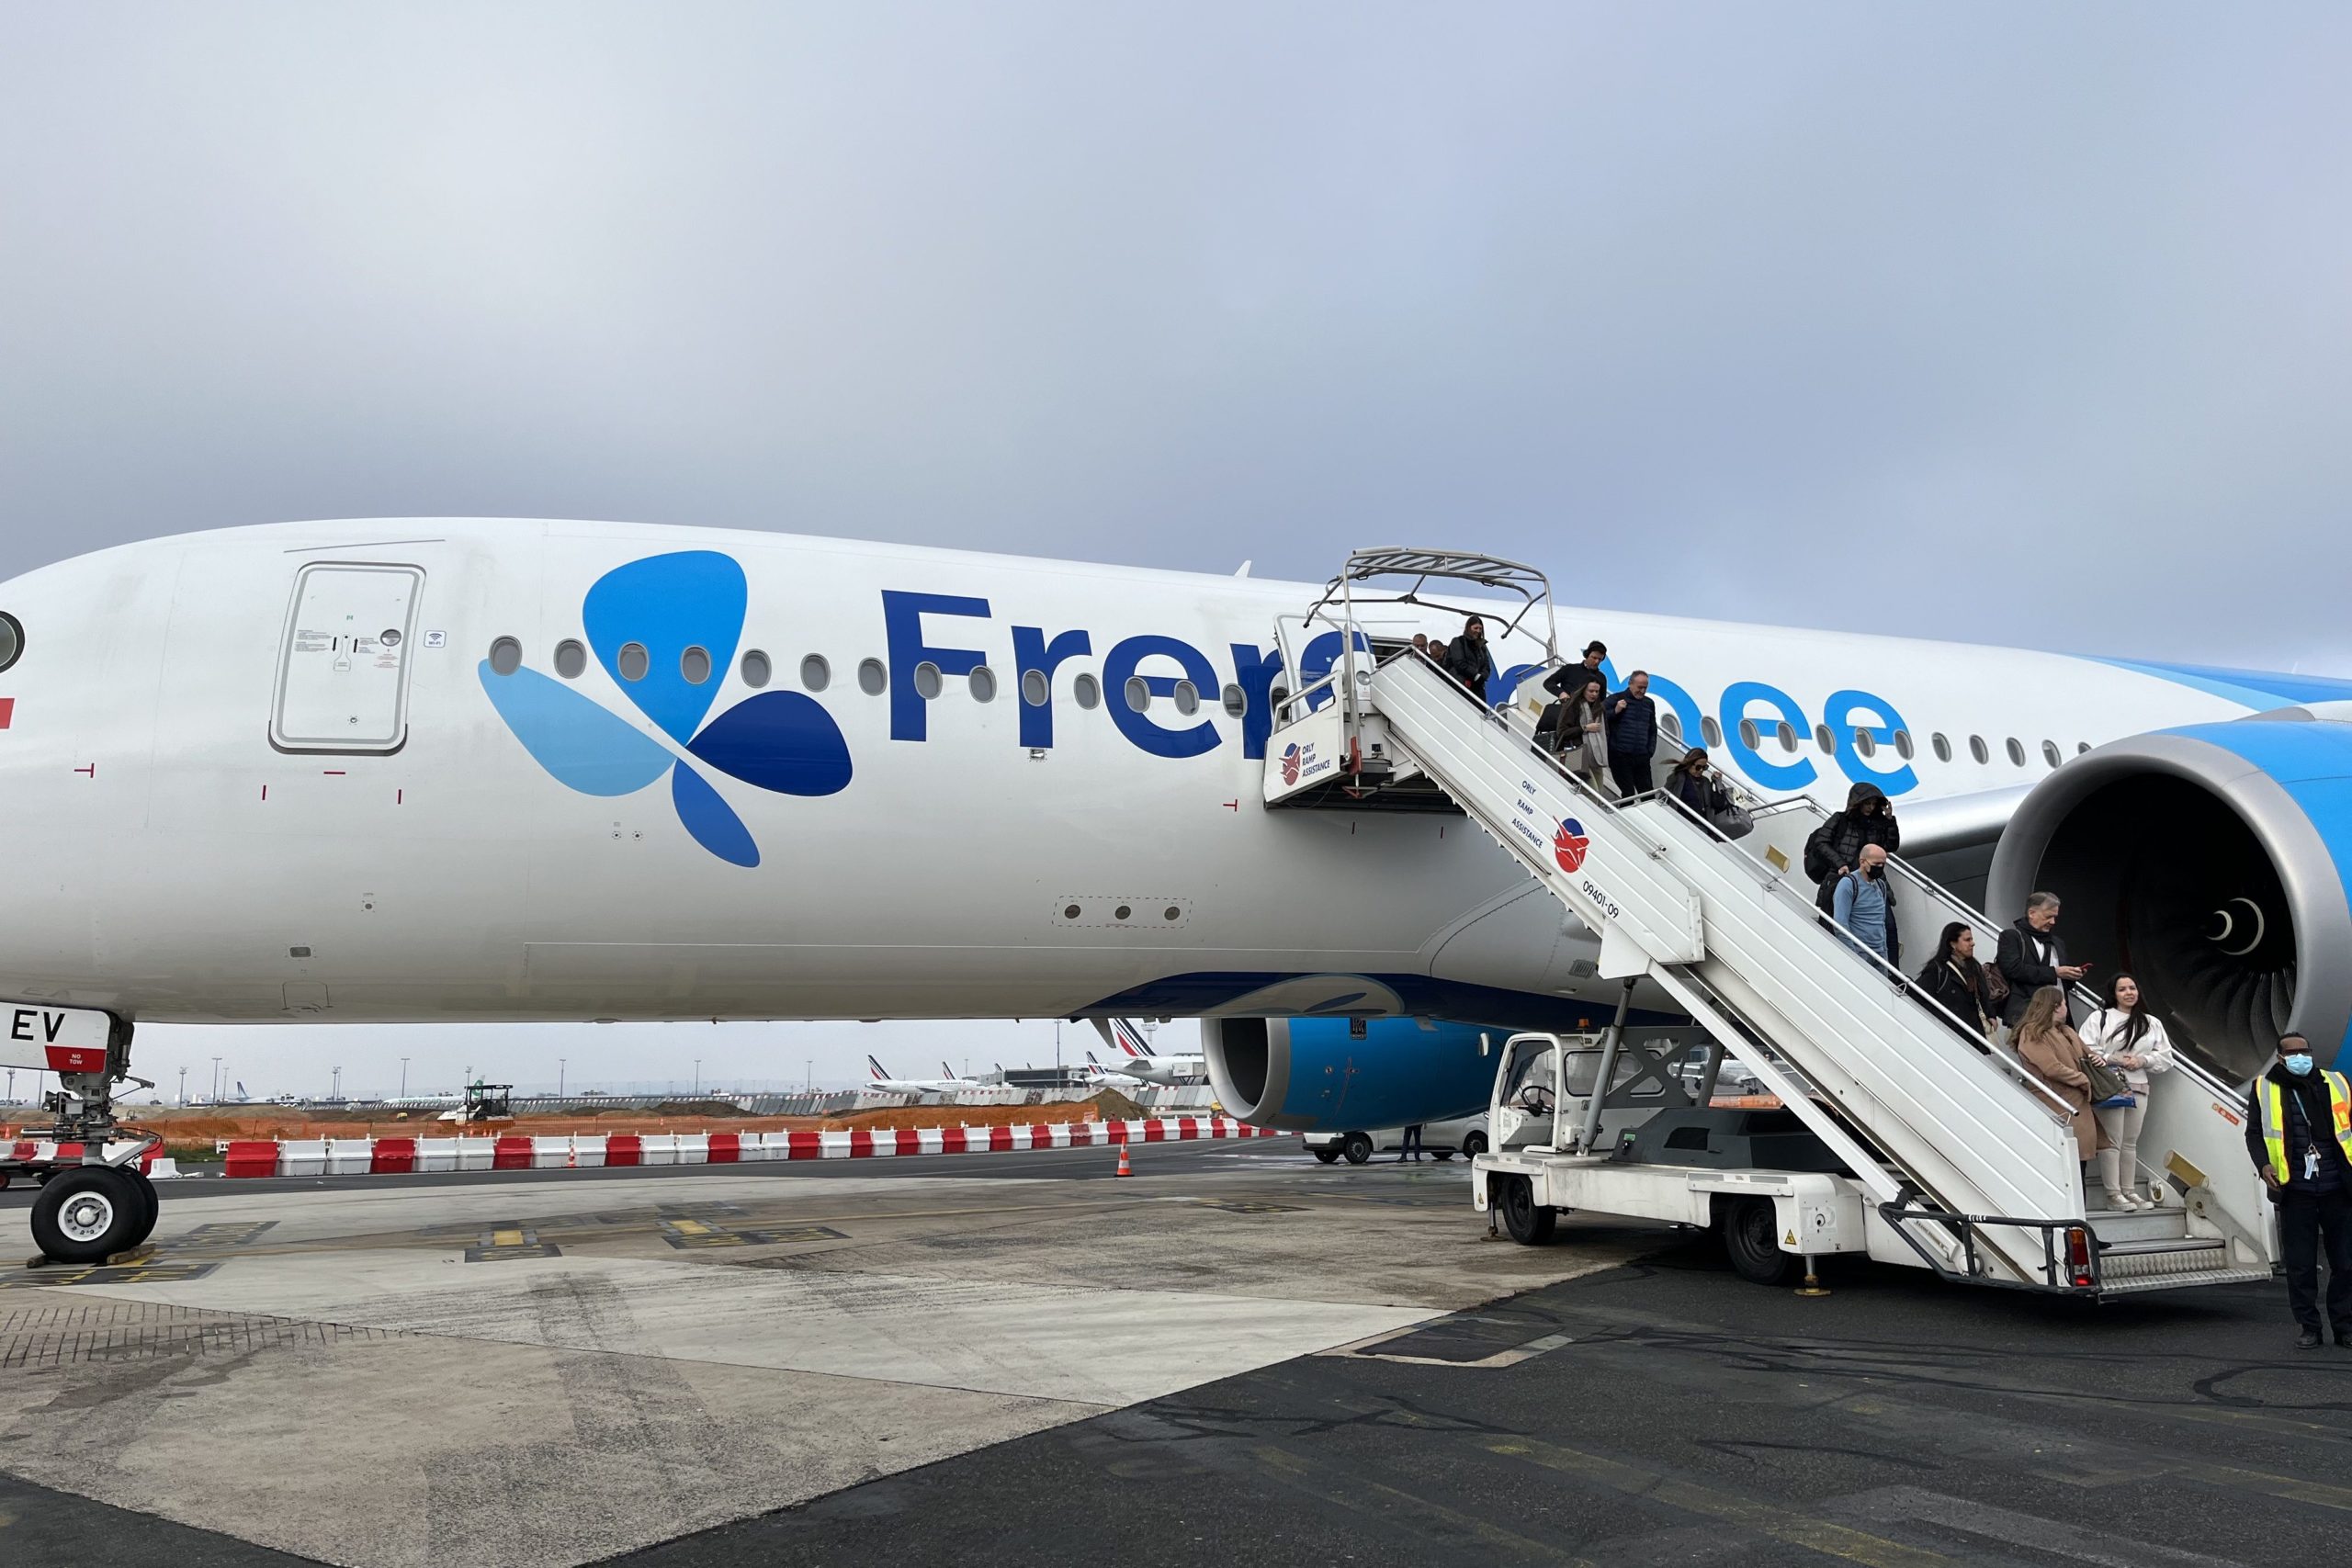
x: 1014, y: 1358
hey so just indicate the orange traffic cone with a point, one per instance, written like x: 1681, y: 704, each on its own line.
x: 1125, y: 1168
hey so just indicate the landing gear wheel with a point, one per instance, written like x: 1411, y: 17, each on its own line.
x: 1329, y: 1157
x: 1442, y: 1154
x: 89, y: 1215
x: 1527, y: 1226
x: 1474, y: 1145
x: 1751, y: 1241
x: 1357, y: 1147
x: 151, y: 1206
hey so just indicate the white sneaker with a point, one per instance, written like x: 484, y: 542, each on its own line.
x: 2117, y: 1203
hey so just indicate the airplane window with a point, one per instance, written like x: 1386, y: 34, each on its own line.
x: 816, y: 674
x: 634, y: 661
x: 1188, y: 698
x: 1236, y: 701
x: 570, y: 660
x: 507, y: 656
x: 1747, y: 734
x: 2016, y: 752
x: 2082, y: 747
x: 1788, y: 733
x: 1822, y: 737
x: 757, y: 669
x: 1942, y: 746
x: 1865, y: 743
x: 983, y: 683
x: 1902, y: 748
x: 1035, y: 688
x: 872, y: 678
x: 1278, y: 696
x: 12, y: 639
x: 1670, y: 726
x: 2049, y: 753
x: 1138, y: 695
x: 1714, y: 732
x: 1976, y: 749
x: 1087, y: 689
x: 694, y: 665
x: 927, y: 681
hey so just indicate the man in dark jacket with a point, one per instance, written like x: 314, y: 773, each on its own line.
x: 1633, y: 735
x: 2032, y: 954
x: 2298, y: 1129
x: 1569, y: 679
x: 1835, y: 848
x: 1468, y: 661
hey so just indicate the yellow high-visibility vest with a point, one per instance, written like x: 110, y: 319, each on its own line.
x: 2274, y: 1119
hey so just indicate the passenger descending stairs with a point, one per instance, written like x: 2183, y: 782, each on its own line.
x: 1931, y: 1125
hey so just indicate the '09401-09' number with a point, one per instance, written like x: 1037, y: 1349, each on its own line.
x: 1602, y: 901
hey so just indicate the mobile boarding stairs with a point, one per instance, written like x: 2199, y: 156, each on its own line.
x: 1953, y: 1158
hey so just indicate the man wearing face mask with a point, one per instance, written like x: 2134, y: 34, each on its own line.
x: 2298, y: 1129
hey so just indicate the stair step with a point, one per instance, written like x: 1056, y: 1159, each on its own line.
x: 2150, y: 1225
x: 2248, y: 1274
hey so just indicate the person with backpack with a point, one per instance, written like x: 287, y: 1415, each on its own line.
x: 1861, y: 903
x: 1836, y: 847
x: 2128, y: 1037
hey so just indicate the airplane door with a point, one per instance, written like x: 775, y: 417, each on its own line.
x: 343, y: 664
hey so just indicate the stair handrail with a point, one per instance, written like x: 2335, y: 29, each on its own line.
x: 2076, y: 991
x: 1778, y: 881
x: 1773, y: 880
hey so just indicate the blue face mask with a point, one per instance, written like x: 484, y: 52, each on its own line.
x: 2300, y: 1064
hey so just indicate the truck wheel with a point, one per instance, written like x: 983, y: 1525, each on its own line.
x: 1751, y: 1240
x: 1527, y: 1226
x: 87, y: 1215
x: 1474, y: 1145
x: 1328, y: 1156
x: 1357, y: 1147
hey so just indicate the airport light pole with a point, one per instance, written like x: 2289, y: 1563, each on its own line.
x: 558, y: 1077
x: 403, y: 1077
x: 183, y: 1086
x: 216, y: 1080
x: 697, y: 1078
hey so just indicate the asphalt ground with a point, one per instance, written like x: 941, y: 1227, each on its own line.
x: 1648, y: 1409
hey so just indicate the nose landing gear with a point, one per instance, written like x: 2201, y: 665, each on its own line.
x: 95, y: 1201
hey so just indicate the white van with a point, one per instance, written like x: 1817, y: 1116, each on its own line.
x: 1463, y: 1134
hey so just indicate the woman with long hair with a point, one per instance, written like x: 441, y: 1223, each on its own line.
x: 1692, y: 781
x: 1582, y: 736
x: 1954, y: 977
x: 2130, y: 1039
x: 2051, y: 1049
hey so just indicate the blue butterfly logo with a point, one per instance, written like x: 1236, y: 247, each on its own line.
x: 664, y: 606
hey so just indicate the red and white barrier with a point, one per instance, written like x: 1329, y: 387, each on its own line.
x: 516, y: 1151
x: 157, y: 1168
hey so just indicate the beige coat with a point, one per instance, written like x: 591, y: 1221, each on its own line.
x: 2055, y: 1056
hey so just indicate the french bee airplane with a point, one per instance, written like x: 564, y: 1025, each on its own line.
x: 423, y: 770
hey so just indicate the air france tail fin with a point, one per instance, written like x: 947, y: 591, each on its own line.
x: 877, y: 1067
x: 1131, y: 1039
x: 947, y: 1072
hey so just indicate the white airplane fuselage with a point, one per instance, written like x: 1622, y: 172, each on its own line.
x: 192, y: 841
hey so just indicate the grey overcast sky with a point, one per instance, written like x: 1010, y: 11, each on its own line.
x: 2011, y: 322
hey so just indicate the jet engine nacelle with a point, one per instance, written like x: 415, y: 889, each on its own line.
x: 1312, y: 1075
x: 2210, y: 863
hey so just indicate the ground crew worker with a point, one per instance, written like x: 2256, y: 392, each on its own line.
x: 2299, y: 1129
